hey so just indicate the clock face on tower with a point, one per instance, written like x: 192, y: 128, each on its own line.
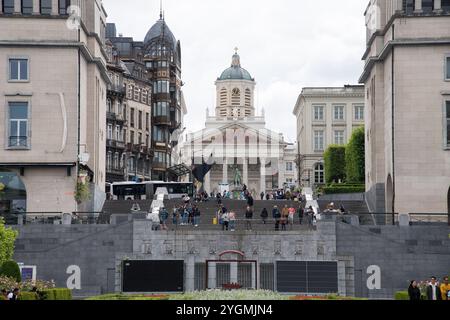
x: 236, y: 92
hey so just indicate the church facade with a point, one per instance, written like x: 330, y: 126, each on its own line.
x: 236, y: 142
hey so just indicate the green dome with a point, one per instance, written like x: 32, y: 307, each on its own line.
x: 236, y: 72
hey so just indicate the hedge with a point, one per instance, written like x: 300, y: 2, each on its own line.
x: 403, y: 295
x: 334, y: 158
x: 56, y: 294
x: 344, y: 189
x: 355, y: 157
x: 28, y: 296
x: 11, y: 269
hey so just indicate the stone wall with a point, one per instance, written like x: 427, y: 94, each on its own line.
x: 54, y: 248
x: 401, y: 253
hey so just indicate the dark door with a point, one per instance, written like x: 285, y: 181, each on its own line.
x: 153, y: 276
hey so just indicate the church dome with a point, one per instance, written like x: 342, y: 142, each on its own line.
x: 158, y: 30
x: 236, y: 72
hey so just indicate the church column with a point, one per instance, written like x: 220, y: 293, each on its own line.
x: 418, y: 6
x: 262, y: 176
x: 438, y: 5
x: 245, y: 175
x: 225, y: 171
x: 280, y: 173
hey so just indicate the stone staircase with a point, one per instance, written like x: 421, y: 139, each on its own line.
x: 209, y: 209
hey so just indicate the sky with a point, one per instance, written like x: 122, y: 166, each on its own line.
x: 284, y: 44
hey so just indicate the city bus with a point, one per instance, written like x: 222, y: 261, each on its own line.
x: 145, y: 190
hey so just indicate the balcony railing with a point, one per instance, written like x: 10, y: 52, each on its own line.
x: 117, y: 88
x: 18, y: 141
x: 110, y: 143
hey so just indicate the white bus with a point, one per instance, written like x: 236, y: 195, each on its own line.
x: 146, y: 190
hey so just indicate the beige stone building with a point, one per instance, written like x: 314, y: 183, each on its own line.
x: 52, y: 104
x: 325, y: 116
x: 407, y: 80
x: 236, y: 141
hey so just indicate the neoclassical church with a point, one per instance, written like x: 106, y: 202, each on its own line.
x: 236, y: 142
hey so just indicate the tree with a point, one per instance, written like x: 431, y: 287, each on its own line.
x: 7, y: 239
x: 11, y: 270
x: 355, y: 157
x: 334, y: 158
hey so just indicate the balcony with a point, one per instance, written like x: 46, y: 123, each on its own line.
x: 111, y: 116
x: 116, y: 90
x: 115, y: 144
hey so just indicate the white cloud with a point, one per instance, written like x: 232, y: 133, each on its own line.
x: 284, y: 44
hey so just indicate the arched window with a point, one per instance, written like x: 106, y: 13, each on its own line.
x: 108, y: 160
x: 319, y: 173
x: 13, y: 195
x: 116, y: 161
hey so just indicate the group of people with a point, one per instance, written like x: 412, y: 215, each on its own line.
x: 282, y: 217
x: 279, y: 194
x: 434, y: 290
x: 10, y: 295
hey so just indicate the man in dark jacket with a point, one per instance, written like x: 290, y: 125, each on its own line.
x: 250, y: 201
x: 276, y: 214
x: 262, y: 195
x: 433, y: 290
x: 264, y: 215
x: 301, y: 213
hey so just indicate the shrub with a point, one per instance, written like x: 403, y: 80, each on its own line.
x: 8, y: 283
x: 355, y: 157
x: 401, y: 295
x: 7, y: 238
x: 334, y: 158
x: 11, y: 269
x: 56, y: 294
x: 336, y: 189
x: 28, y: 296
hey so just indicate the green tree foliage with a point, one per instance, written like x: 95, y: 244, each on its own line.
x: 7, y: 239
x: 334, y: 158
x: 355, y: 157
x: 11, y: 269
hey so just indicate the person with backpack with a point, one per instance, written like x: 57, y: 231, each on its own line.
x: 250, y: 201
x: 163, y: 216
x: 264, y: 215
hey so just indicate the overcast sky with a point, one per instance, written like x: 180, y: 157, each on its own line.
x: 284, y: 44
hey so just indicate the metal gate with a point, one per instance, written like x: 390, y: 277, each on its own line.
x: 244, y: 276
x: 267, y: 279
x: 223, y: 274
x: 199, y: 277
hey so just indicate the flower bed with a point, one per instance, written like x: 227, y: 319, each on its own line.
x: 230, y: 295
